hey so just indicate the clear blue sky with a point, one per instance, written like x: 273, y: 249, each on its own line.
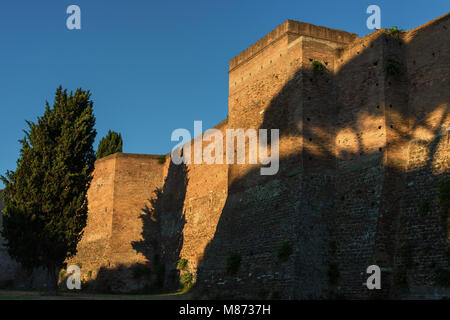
x: 152, y: 66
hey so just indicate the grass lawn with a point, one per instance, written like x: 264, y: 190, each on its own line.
x: 41, y: 295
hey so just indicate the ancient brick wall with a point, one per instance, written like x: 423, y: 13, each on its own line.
x: 351, y: 139
x: 120, y: 192
x: 273, y: 86
x: 360, y: 150
x: 399, y: 113
x: 192, y: 202
x: 363, y: 145
x: 422, y: 246
x: 349, y: 129
x: 92, y: 247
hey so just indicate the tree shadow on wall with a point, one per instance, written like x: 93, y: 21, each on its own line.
x: 163, y: 221
x: 263, y: 215
x: 163, y: 224
x: 339, y: 200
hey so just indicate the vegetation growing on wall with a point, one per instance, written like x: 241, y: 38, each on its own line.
x: 443, y: 277
x: 392, y: 67
x: 424, y: 207
x: 187, y: 281
x: 233, y: 263
x: 284, y: 252
x: 443, y: 197
x: 318, y: 66
x: 182, y: 264
x: 401, y: 278
x: 333, y: 273
x: 162, y: 159
x: 444, y: 202
x: 394, y: 32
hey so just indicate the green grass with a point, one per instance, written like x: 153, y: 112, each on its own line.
x: 41, y: 295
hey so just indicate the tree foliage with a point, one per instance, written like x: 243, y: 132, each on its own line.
x: 110, y: 144
x: 45, y: 197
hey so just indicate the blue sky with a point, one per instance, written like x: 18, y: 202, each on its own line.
x: 152, y: 66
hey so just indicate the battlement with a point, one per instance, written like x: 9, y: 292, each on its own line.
x: 294, y: 28
x: 129, y: 156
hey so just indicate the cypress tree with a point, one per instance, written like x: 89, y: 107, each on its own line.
x: 45, y: 197
x: 110, y: 144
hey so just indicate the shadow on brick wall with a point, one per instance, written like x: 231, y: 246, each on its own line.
x: 340, y: 207
x: 358, y: 186
x: 163, y: 221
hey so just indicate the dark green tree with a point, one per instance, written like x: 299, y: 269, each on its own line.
x: 45, y: 197
x: 110, y: 144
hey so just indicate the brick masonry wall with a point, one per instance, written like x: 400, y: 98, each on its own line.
x: 191, y: 204
x: 122, y: 188
x: 361, y: 151
x: 349, y: 141
x: 275, y: 88
x: 428, y: 160
x: 94, y: 243
x: 351, y: 128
